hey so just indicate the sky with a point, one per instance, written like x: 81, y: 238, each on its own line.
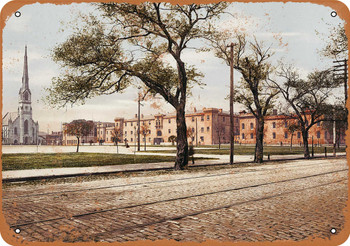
x: 43, y: 26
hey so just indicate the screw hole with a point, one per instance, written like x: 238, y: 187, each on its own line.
x: 333, y: 230
x: 334, y: 14
x: 17, y: 231
x: 18, y: 14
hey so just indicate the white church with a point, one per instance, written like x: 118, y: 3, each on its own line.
x: 19, y: 127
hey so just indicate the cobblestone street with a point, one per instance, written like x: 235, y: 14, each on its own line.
x: 287, y: 201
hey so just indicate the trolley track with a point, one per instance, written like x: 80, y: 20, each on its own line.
x: 193, y: 196
x: 174, y: 218
x: 148, y: 183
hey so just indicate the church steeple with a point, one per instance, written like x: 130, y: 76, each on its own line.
x: 25, y: 77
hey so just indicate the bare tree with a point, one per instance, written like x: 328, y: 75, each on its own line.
x: 117, y: 136
x: 220, y: 131
x: 251, y: 60
x: 306, y: 98
x: 292, y: 125
x: 145, y: 131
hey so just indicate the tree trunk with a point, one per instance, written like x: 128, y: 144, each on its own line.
x: 291, y: 141
x: 145, y: 142
x: 259, y: 146
x: 78, y: 144
x: 117, y: 146
x: 219, y: 142
x: 182, y: 144
x: 306, y: 144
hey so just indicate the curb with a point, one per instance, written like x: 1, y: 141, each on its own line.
x: 24, y: 179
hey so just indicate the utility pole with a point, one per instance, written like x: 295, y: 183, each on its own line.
x: 232, y: 134
x: 196, y: 133
x: 334, y: 134
x: 340, y: 71
x: 138, y: 121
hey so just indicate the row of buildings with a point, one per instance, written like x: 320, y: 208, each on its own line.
x: 206, y: 127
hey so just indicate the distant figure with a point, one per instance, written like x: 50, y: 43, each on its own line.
x: 91, y: 142
x: 191, y: 153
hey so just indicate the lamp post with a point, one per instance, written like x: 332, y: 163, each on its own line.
x: 232, y: 134
x: 138, y: 122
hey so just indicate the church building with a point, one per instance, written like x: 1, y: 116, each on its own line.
x: 19, y: 127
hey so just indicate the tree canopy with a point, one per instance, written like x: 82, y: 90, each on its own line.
x: 128, y: 44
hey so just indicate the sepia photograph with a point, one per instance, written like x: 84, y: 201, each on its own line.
x: 174, y: 122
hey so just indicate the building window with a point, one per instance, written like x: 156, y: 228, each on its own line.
x: 192, y: 119
x: 251, y: 135
x: 159, y: 133
x: 169, y: 131
x: 107, y: 139
x: 131, y: 139
x: 149, y: 139
x: 208, y: 117
x: 285, y: 124
x: 131, y: 123
x: 251, y: 126
x: 149, y: 122
x: 15, y: 131
x: 192, y: 130
x: 117, y: 124
x: 298, y: 134
x: 126, y: 124
x: 242, y: 126
x: 202, y: 139
x: 274, y: 135
x: 223, y: 118
x: 131, y: 132
x: 26, y: 127
x: 318, y: 134
x: 202, y: 129
x: 192, y: 139
x: 208, y: 129
x: 318, y: 123
x: 242, y: 135
x: 169, y: 121
x: 286, y: 135
x: 126, y: 133
x: 273, y: 124
x: 202, y: 118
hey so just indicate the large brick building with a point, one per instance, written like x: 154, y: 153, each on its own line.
x: 276, y: 131
x: 207, y: 126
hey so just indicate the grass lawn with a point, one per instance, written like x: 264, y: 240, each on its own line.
x: 56, y: 160
x: 249, y: 150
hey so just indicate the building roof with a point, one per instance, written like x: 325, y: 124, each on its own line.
x: 9, y: 116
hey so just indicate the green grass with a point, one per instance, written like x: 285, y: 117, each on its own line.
x: 249, y: 150
x: 57, y: 160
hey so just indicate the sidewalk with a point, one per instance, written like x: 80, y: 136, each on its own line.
x: 35, y: 174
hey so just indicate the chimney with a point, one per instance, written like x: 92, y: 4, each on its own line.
x: 220, y: 110
x: 142, y: 116
x: 135, y: 115
x: 274, y: 112
x: 195, y: 110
